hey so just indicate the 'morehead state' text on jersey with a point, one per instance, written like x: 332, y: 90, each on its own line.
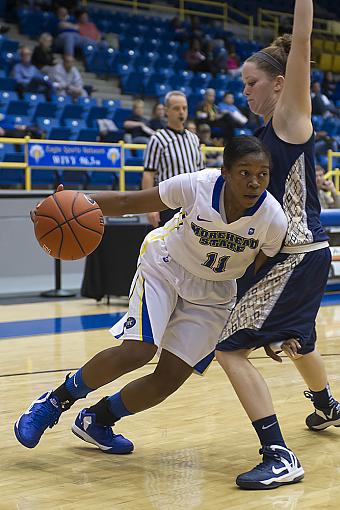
x: 292, y: 183
x: 199, y: 237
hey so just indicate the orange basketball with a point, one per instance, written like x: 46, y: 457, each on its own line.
x: 69, y: 225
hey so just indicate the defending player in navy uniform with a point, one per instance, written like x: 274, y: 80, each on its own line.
x: 281, y: 302
x: 182, y: 292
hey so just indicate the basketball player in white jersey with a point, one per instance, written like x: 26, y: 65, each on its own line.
x: 182, y: 292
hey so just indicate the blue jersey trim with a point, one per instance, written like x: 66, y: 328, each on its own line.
x: 217, y: 193
x: 252, y: 210
x: 146, y: 324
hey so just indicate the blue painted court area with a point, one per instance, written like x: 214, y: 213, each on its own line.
x: 58, y: 325
x: 86, y: 322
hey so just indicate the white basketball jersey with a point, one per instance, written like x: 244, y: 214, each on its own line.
x: 199, y: 237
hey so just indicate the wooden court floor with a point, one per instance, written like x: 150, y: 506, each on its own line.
x: 188, y: 450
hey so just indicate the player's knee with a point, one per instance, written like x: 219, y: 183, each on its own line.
x: 136, y: 354
x: 167, y: 383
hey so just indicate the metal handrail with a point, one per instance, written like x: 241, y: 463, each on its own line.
x: 331, y: 172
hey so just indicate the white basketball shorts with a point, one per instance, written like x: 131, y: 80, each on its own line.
x: 173, y: 309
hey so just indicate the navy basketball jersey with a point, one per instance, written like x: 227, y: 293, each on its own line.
x: 292, y: 183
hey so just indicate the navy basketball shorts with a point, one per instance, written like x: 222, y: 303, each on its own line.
x: 282, y: 303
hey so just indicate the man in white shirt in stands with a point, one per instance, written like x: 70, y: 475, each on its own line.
x: 67, y: 79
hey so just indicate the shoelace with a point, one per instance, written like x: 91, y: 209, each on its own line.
x: 332, y: 403
x: 46, y: 416
x: 268, y: 455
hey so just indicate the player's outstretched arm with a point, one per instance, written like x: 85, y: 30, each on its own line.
x: 116, y: 203
x: 292, y: 115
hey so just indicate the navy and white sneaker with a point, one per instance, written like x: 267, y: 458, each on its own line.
x: 102, y: 436
x: 279, y: 466
x: 323, y: 417
x: 42, y: 413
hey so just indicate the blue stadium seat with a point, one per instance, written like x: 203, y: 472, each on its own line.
x: 120, y: 115
x: 87, y: 102
x: 75, y: 124
x: 100, y: 61
x: 7, y: 45
x: 34, y: 99
x: 74, y: 178
x: 43, y: 178
x: 97, y: 112
x: 87, y: 135
x: 60, y: 133
x: 162, y: 89
x: 12, y: 177
x: 331, y: 125
x: 46, y: 123
x: 200, y: 80
x: 7, y: 84
x: 46, y: 110
x: 72, y: 111
x: 317, y: 121
x: 242, y: 131
x: 98, y: 179
x: 14, y: 157
x: 220, y: 81
x: 235, y: 86
x: 62, y: 101
x: 133, y: 83
x: 6, y: 96
x: 111, y: 104
x: 18, y: 108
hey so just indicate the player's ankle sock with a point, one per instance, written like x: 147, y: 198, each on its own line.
x: 117, y: 406
x: 64, y: 397
x: 268, y: 431
x: 104, y: 416
x: 322, y: 399
x: 76, y: 387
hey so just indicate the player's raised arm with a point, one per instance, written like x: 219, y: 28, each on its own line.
x: 293, y: 110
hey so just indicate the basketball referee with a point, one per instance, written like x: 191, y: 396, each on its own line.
x: 171, y: 151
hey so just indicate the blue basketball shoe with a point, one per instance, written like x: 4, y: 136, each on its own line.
x: 279, y: 466
x: 323, y: 417
x: 42, y: 413
x: 102, y: 436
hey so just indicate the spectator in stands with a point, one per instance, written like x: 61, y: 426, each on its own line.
x: 328, y: 196
x: 321, y: 105
x: 89, y: 30
x: 28, y: 78
x: 329, y: 85
x: 17, y: 130
x: 207, y: 110
x: 191, y: 126
x: 227, y: 106
x: 179, y: 29
x: 67, y: 79
x: 69, y: 37
x: 171, y: 151
x: 195, y: 57
x: 158, y: 117
x: 212, y: 159
x: 136, y: 125
x: 324, y: 142
x: 233, y: 65
x: 42, y: 56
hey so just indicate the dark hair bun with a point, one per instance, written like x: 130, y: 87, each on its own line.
x: 283, y: 42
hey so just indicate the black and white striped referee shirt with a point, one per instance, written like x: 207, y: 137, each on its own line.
x: 171, y: 152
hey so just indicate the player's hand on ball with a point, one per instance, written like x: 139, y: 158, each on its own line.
x: 34, y: 211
